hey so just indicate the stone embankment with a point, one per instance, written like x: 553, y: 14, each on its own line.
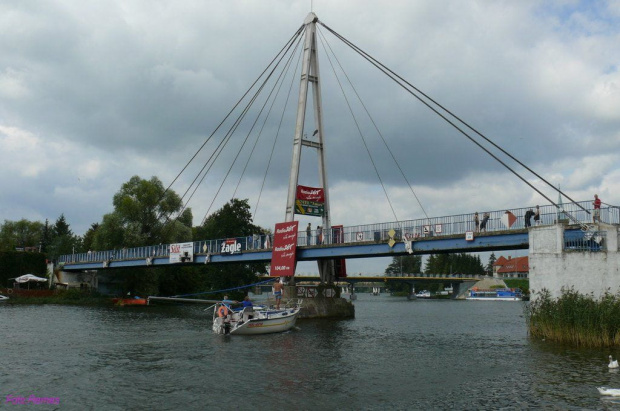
x: 319, y: 306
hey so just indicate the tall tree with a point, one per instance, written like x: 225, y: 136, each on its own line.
x: 63, y: 241
x: 89, y: 237
x: 234, y: 219
x: 489, y: 267
x: 144, y: 214
x: 46, y: 237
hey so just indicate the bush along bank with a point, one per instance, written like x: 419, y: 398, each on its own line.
x: 65, y: 297
x: 575, y: 319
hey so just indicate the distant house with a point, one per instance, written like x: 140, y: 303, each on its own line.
x: 517, y: 267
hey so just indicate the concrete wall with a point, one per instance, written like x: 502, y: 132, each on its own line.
x: 587, y: 272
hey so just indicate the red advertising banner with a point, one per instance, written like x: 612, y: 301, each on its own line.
x: 310, y: 194
x: 283, y: 257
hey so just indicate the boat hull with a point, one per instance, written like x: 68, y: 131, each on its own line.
x: 266, y: 326
x: 494, y: 298
x: 501, y: 294
x: 266, y: 321
x: 130, y: 301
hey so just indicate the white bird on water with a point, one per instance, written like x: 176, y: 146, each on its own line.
x: 613, y: 363
x: 613, y: 392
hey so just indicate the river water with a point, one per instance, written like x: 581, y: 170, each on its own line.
x: 396, y: 354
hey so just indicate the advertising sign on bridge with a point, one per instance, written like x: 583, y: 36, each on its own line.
x: 310, y: 201
x: 283, y: 257
x: 230, y: 246
x: 181, y: 253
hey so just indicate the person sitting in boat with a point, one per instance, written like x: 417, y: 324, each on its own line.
x: 246, y: 302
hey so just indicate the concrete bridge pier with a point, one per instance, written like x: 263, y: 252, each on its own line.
x: 459, y: 290
x: 556, y: 263
x: 320, y: 306
x: 411, y: 295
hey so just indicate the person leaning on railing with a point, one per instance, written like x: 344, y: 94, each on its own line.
x: 596, y: 216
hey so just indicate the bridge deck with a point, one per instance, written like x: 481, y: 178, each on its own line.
x: 426, y: 236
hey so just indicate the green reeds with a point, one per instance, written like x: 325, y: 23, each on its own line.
x: 575, y: 319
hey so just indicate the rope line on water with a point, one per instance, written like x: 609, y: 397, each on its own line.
x: 225, y: 289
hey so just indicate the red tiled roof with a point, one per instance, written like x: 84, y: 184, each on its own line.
x: 515, y: 265
x: 500, y: 261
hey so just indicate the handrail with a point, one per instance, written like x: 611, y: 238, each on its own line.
x: 378, y: 232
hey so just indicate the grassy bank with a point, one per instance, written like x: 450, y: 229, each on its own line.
x: 522, y: 283
x: 68, y: 297
x: 576, y: 319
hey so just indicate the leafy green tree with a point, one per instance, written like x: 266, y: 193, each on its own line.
x: 22, y: 233
x: 143, y: 215
x: 234, y: 219
x: 406, y: 264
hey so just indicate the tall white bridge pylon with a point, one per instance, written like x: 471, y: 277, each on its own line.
x: 310, y: 75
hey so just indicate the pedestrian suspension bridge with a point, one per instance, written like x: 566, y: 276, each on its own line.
x: 493, y: 229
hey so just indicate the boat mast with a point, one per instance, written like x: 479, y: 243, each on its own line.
x: 310, y: 75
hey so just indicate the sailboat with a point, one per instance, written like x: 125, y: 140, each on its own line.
x: 254, y: 320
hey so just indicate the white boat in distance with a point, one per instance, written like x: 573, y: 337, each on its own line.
x: 254, y: 320
x: 3, y: 298
x: 497, y: 294
x: 423, y: 294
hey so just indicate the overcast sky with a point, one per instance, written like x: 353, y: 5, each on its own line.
x: 92, y: 93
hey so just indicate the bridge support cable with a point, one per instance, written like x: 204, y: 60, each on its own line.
x: 275, y: 140
x: 276, y: 85
x: 361, y: 134
x: 200, y: 176
x: 277, y: 58
x: 405, y: 84
x: 279, y: 84
x: 229, y: 134
x: 324, y: 41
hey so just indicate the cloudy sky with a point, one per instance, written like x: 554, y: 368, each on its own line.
x: 92, y: 93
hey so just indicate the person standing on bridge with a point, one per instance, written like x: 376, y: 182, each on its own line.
x: 319, y: 235
x: 528, y: 217
x: 476, y: 222
x: 308, y: 233
x: 537, y: 216
x: 483, y: 223
x: 596, y: 216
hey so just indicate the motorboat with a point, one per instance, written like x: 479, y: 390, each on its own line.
x: 260, y: 319
x: 612, y: 392
x: 3, y: 298
x: 130, y: 301
x: 495, y: 294
x: 423, y: 294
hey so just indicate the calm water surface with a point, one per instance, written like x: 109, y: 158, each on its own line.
x: 395, y: 354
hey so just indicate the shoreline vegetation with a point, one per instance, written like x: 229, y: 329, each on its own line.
x: 576, y: 319
x: 64, y: 297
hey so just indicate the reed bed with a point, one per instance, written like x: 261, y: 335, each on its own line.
x: 575, y: 319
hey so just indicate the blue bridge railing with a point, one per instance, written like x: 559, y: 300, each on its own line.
x: 379, y: 232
